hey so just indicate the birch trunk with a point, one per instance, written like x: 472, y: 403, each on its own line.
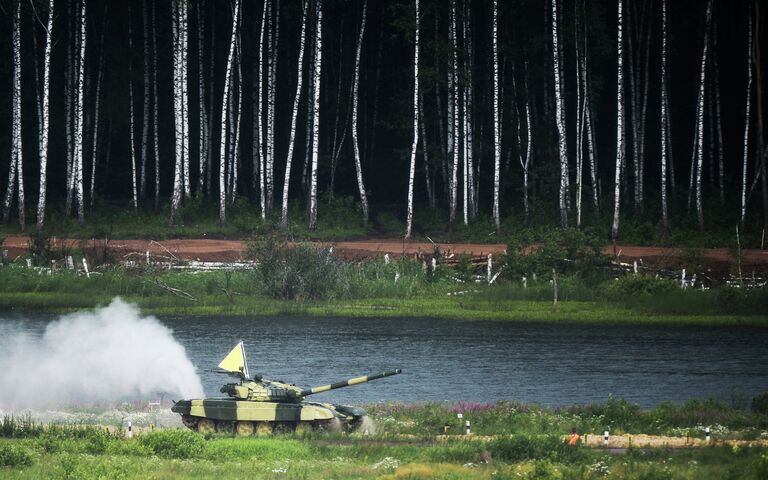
x: 355, y: 94
x: 69, y: 105
x: 412, y: 170
x: 184, y: 33
x: 664, y: 118
x: 259, y: 114
x: 273, y: 48
x: 497, y: 123
x: 746, y: 125
x: 202, y: 113
x: 316, y: 114
x: 97, y: 109
x: 45, y: 119
x: 16, y: 172
x: 560, y: 114
x: 178, y: 113
x: 296, y: 99
x: 454, y: 114
x: 428, y: 182
x: 224, y: 114
x: 78, y: 163
x: 236, y: 137
x: 469, y: 113
x: 145, y: 109
x: 619, y: 124
x: 155, y: 107
x: 134, y: 190
x: 700, y: 120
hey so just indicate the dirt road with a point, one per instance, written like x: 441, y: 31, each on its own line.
x: 233, y: 250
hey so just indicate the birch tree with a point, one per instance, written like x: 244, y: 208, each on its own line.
x: 560, y: 117
x: 412, y: 170
x: 134, y: 191
x: 355, y: 139
x: 700, y: 120
x: 224, y: 114
x: 203, y: 120
x: 155, y: 108
x: 316, y: 113
x: 259, y: 114
x: 179, y: 9
x: 496, y: 120
x: 78, y: 140
x: 273, y: 46
x: 296, y: 99
x: 453, y: 115
x: 145, y: 109
x: 96, y: 107
x: 16, y: 172
x: 620, y: 148
x: 747, y: 111
x: 664, y: 118
x: 45, y: 119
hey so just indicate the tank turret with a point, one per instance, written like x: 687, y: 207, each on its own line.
x: 260, y: 405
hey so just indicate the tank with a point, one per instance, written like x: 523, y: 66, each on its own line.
x: 255, y: 405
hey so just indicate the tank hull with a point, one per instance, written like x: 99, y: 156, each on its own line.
x: 246, y: 417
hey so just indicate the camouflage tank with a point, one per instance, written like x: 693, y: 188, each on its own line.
x: 261, y: 406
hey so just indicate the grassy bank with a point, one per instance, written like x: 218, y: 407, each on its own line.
x: 371, y: 291
x: 528, y: 443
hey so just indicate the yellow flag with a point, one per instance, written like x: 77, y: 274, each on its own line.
x: 235, y: 360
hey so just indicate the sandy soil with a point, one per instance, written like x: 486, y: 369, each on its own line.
x: 234, y: 250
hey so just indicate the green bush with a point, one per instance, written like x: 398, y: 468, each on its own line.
x: 14, y: 456
x: 174, y: 443
x: 633, y: 286
x: 298, y: 272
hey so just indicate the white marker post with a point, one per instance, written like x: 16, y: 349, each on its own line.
x: 130, y: 430
x: 469, y: 430
x: 85, y: 267
x: 706, y: 431
x: 605, y: 438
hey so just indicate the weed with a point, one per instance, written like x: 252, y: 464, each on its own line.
x: 14, y: 455
x: 174, y: 443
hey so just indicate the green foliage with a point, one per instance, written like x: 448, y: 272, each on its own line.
x: 760, y: 403
x: 297, y: 272
x: 174, y: 443
x: 567, y: 251
x: 634, y: 286
x: 19, y: 427
x: 14, y: 455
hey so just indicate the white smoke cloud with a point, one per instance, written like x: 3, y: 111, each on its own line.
x: 107, y: 355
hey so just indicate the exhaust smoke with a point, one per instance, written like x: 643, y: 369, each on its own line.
x: 107, y: 355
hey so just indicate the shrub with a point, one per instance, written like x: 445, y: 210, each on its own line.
x: 633, y: 286
x: 14, y: 456
x: 174, y: 443
x: 298, y: 272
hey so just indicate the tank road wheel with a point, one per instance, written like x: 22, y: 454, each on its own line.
x: 189, y: 421
x: 206, y: 425
x: 263, y: 429
x: 244, y: 429
x: 303, y: 429
x: 333, y: 425
x: 284, y: 427
x: 225, y: 426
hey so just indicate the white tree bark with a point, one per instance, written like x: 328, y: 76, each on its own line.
x: 259, y: 114
x: 97, y: 109
x: 78, y: 163
x: 225, y: 114
x: 560, y: 114
x: 134, y: 190
x: 455, y: 115
x: 178, y: 112
x: 236, y: 137
x: 412, y: 170
x: 145, y: 109
x: 470, y: 209
x: 69, y: 105
x: 45, y: 119
x: 296, y: 99
x: 620, y: 148
x: 316, y: 114
x: 16, y: 172
x: 746, y: 124
x: 184, y: 33
x: 155, y: 103
x: 202, y: 113
x: 355, y: 139
x: 718, y: 122
x: 274, y: 42
x: 700, y: 120
x: 496, y: 121
x: 664, y: 118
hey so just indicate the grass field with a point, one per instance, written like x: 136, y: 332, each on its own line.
x: 527, y: 442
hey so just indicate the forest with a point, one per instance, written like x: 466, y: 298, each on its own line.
x: 564, y: 112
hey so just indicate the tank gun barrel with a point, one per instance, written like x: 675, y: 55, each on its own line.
x: 347, y: 383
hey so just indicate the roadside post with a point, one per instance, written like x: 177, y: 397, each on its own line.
x: 469, y: 430
x: 606, y: 436
x: 130, y: 430
x: 706, y: 431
